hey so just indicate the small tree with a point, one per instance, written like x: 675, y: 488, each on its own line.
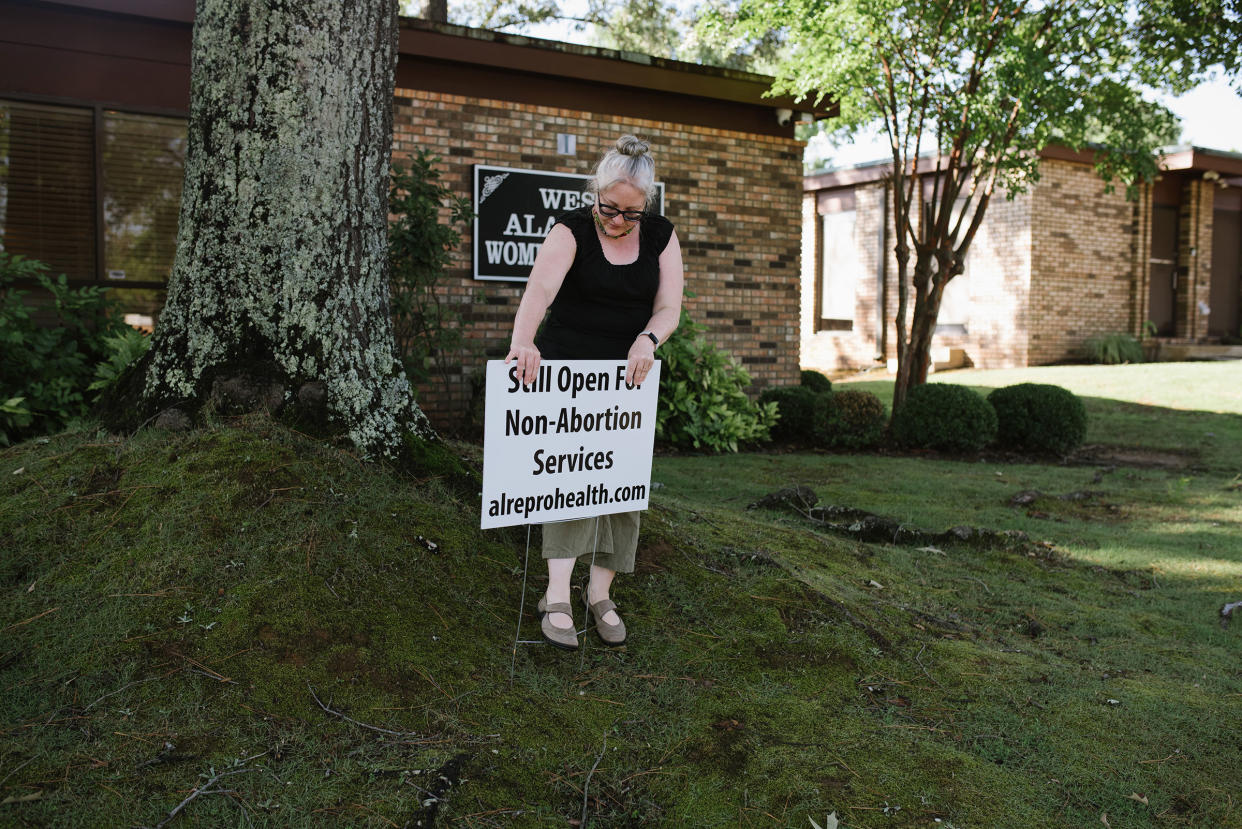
x: 419, y: 249
x: 985, y: 86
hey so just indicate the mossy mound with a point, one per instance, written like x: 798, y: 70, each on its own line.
x: 332, y: 642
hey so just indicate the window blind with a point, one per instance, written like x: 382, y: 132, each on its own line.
x: 143, y: 159
x: 47, y: 186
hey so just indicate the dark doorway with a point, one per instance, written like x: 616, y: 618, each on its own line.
x: 1226, y: 296
x: 1162, y: 305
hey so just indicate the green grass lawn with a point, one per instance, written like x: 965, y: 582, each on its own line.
x: 1199, y: 386
x: 175, y: 603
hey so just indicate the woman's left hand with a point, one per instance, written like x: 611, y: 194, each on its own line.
x: 639, y: 360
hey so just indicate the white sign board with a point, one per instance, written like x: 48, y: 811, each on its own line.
x: 573, y: 444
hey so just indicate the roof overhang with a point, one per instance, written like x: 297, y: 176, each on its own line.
x: 1217, y: 163
x: 444, y: 46
x: 518, y: 53
x: 1202, y: 160
x: 176, y: 11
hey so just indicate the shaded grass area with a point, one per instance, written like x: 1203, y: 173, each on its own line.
x: 174, y: 604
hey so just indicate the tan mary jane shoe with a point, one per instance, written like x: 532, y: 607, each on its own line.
x: 565, y: 638
x: 613, y: 635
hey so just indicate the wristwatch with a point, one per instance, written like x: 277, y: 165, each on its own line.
x: 655, y: 341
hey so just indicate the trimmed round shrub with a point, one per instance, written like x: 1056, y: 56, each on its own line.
x: 856, y: 420
x: 1036, y: 417
x: 946, y: 417
x: 816, y: 381
x: 801, y: 412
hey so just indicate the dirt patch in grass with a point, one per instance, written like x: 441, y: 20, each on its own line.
x: 1098, y: 454
x: 652, y: 555
x: 724, y: 746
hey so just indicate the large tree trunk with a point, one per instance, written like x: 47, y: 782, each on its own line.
x: 281, y: 271
x: 435, y: 10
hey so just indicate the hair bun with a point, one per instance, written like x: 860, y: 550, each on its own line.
x: 632, y: 146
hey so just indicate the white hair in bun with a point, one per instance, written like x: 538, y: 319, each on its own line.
x: 629, y: 161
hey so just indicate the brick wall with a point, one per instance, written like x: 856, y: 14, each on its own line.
x: 1049, y: 269
x: 992, y: 294
x: 855, y: 348
x: 733, y: 196
x: 995, y: 288
x: 1140, y: 262
x: 1194, y: 253
x: 1082, y: 261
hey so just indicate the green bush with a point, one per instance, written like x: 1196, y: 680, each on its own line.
x: 816, y: 381
x: 945, y: 417
x: 1112, y: 349
x: 1036, y: 417
x: 123, y: 350
x: 14, y: 417
x: 855, y: 420
x: 46, y: 369
x: 800, y: 411
x: 703, y: 402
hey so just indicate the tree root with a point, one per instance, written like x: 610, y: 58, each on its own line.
x: 861, y: 525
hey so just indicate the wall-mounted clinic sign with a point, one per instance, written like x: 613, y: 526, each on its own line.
x: 515, y: 209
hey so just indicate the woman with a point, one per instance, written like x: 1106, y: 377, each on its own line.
x: 612, y: 275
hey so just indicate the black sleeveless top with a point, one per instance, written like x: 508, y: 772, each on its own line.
x: 602, y: 307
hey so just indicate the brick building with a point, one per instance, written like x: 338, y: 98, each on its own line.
x: 94, y: 95
x: 1048, y: 270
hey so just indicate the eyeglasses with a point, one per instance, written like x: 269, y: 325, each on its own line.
x: 610, y: 212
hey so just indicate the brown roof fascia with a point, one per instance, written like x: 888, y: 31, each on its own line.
x: 848, y: 176
x: 1198, y: 159
x: 1190, y: 158
x: 62, y: 54
x: 1063, y: 153
x: 461, y: 44
x: 518, y: 53
x: 875, y: 171
x: 177, y: 11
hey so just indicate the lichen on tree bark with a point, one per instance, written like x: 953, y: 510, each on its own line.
x: 281, y: 248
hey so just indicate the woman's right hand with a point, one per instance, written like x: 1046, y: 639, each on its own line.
x: 528, y: 358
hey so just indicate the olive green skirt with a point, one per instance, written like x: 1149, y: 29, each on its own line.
x: 613, y: 538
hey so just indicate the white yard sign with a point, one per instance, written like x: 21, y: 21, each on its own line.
x: 574, y: 444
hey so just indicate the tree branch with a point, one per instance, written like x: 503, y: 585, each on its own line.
x: 206, y: 788
x: 356, y: 722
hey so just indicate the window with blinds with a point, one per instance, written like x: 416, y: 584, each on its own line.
x: 47, y: 186
x: 48, y: 183
x: 142, y: 159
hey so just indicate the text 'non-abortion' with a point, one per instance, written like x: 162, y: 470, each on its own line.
x: 572, y: 421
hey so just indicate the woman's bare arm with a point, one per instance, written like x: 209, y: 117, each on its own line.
x: 553, y: 261
x: 665, y: 312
